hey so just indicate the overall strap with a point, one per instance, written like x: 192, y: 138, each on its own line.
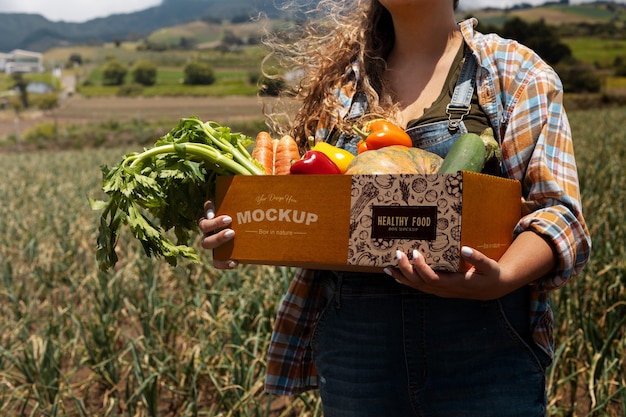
x: 461, y: 102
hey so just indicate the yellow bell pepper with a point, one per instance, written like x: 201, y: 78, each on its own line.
x: 340, y: 157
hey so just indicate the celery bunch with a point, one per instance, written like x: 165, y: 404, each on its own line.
x: 164, y: 187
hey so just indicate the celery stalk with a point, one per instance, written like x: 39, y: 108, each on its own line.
x: 164, y: 187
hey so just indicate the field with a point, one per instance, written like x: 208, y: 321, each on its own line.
x: 600, y: 51
x: 152, y: 340
x: 556, y: 14
x: 84, y: 122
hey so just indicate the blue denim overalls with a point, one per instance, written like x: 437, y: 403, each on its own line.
x: 384, y: 349
x: 435, y: 137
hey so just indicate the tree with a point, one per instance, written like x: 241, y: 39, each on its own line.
x: 21, y: 84
x: 230, y: 40
x: 546, y: 42
x: 272, y: 85
x: 538, y: 36
x: 620, y: 66
x: 199, y: 73
x: 75, y: 59
x: 578, y: 77
x: 144, y: 73
x: 114, y: 73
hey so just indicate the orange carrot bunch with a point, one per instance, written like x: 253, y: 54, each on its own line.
x: 275, y: 155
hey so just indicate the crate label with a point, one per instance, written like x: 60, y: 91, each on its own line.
x: 397, y: 222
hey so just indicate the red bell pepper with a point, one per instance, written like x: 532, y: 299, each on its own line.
x: 314, y: 162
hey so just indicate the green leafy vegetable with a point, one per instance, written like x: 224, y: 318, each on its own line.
x: 164, y: 187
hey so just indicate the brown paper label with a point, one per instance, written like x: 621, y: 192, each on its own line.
x: 385, y: 209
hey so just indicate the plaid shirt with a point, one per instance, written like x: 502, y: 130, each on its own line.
x: 522, y: 96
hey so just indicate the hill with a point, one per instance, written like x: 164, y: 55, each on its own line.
x: 34, y: 32
x: 601, y: 12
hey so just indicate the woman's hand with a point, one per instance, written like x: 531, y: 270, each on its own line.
x: 482, y: 281
x: 529, y: 258
x: 215, y: 232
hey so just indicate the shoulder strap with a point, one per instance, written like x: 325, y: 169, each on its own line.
x: 461, y: 102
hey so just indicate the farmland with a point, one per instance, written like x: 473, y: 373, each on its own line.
x: 149, y: 339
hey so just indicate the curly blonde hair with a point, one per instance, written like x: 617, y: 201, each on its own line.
x: 334, y: 34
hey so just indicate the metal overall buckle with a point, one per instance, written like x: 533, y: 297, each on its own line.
x: 459, y: 111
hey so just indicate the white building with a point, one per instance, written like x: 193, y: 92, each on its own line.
x: 22, y: 61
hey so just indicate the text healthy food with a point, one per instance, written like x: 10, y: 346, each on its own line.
x: 163, y: 188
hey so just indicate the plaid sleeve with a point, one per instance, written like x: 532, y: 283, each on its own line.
x: 538, y: 151
x: 290, y: 368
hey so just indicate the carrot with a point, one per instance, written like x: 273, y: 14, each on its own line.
x: 264, y: 151
x: 286, y: 152
x: 275, y: 155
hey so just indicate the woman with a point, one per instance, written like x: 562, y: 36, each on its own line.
x: 427, y: 343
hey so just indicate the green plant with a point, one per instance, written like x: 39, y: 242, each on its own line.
x: 578, y: 77
x: 114, y: 73
x: 42, y: 134
x: 272, y: 85
x: 46, y: 101
x: 144, y: 72
x: 198, y: 73
x: 130, y: 90
x: 163, y: 188
x: 200, y: 335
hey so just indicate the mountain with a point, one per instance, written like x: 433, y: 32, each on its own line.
x: 36, y: 33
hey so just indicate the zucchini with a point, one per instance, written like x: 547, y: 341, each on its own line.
x: 468, y: 153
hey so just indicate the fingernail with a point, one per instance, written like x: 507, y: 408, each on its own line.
x: 229, y: 233
x: 227, y: 220
x: 210, y: 213
x: 399, y: 255
x: 416, y: 254
x: 388, y: 271
x: 232, y: 264
x: 467, y: 252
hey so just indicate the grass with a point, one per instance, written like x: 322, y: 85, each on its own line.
x: 597, y: 51
x: 554, y: 14
x: 228, y: 82
x: 203, y: 32
x: 151, y: 340
x: 7, y: 82
x: 80, y: 342
x: 234, y: 71
x: 94, y: 56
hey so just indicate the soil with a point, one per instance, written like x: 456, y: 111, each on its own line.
x: 77, y: 109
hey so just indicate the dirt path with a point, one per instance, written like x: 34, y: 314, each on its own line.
x: 77, y: 109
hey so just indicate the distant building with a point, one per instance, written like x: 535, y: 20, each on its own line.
x: 21, y: 61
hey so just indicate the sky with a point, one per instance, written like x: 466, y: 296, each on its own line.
x: 83, y: 10
x: 75, y: 10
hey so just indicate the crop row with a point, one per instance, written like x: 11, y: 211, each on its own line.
x: 149, y: 339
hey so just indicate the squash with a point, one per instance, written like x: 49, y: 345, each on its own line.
x: 395, y: 159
